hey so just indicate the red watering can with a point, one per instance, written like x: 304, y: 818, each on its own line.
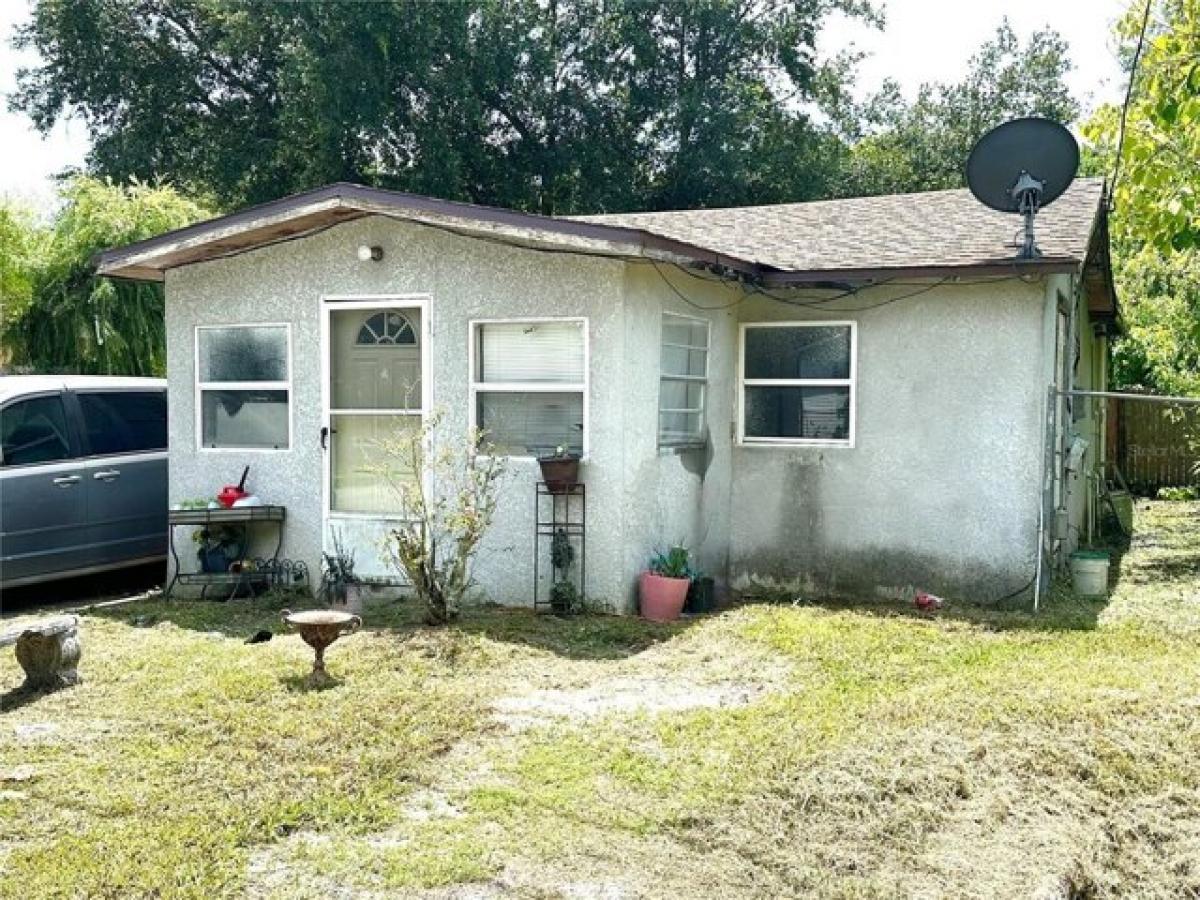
x: 231, y: 494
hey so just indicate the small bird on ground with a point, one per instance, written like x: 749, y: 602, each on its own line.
x: 260, y: 637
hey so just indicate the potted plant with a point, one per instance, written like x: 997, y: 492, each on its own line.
x: 560, y: 470
x: 344, y: 587
x: 217, y: 546
x: 564, y: 596
x: 664, y: 587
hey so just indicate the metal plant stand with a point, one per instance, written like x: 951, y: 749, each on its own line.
x: 564, y: 510
x: 248, y: 575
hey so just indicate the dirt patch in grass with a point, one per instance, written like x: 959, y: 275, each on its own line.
x: 620, y: 696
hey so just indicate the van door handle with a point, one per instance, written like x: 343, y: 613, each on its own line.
x: 110, y: 475
x: 67, y: 481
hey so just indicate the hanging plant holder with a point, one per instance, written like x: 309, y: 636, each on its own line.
x: 560, y: 472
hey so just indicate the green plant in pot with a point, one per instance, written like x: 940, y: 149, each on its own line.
x: 560, y: 469
x: 663, y: 588
x: 564, y: 595
x: 217, y: 547
x: 344, y: 587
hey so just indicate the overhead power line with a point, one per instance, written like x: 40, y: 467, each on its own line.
x: 1137, y: 55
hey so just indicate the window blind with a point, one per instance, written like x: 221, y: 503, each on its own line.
x: 515, y: 352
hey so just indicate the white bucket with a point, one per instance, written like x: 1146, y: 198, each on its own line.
x: 1089, y: 573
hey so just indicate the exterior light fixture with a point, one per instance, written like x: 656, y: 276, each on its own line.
x: 366, y: 253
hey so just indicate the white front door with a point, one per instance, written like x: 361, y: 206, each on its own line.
x: 376, y: 386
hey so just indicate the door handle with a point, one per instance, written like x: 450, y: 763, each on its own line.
x: 110, y: 475
x: 66, y: 481
x: 325, y: 433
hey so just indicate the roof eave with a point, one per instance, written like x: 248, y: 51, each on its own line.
x: 999, y: 268
x: 1097, y: 275
x: 302, y: 214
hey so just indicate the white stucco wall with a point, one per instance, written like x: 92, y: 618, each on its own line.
x: 940, y: 491
x: 677, y: 496
x: 465, y: 279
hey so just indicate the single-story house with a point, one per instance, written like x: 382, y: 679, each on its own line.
x: 855, y: 396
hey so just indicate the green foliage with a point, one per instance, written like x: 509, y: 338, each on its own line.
x: 547, y: 105
x: 1155, y: 218
x: 564, y: 597
x: 674, y: 563
x: 924, y: 145
x: 338, y: 566
x: 19, y: 245
x: 562, y: 554
x: 1179, y: 494
x: 76, y: 322
x: 1160, y: 348
x: 1156, y: 195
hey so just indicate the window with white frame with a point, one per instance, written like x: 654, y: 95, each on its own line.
x: 528, y: 387
x: 798, y: 383
x: 683, y: 373
x: 243, y: 387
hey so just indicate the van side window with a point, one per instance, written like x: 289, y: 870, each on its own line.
x: 34, y: 431
x: 124, y: 421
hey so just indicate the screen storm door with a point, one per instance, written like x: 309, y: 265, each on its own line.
x: 374, y: 390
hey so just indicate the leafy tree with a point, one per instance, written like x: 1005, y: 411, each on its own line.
x: 19, y: 240
x: 1157, y: 194
x: 1160, y: 349
x: 75, y: 321
x: 547, y: 105
x: 1155, y: 219
x: 924, y: 145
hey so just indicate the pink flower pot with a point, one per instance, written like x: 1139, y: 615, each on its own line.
x: 662, y: 598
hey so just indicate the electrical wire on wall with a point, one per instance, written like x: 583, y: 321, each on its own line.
x: 821, y: 304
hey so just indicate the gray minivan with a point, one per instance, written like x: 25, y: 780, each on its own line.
x: 83, y: 475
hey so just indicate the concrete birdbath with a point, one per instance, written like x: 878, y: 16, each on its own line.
x: 319, y: 628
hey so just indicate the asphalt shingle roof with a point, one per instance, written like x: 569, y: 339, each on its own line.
x: 931, y: 229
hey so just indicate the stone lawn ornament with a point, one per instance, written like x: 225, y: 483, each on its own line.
x: 48, y: 652
x: 319, y: 628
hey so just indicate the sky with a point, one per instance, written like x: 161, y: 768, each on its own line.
x: 923, y: 40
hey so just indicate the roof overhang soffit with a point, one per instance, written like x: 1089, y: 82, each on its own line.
x: 242, y: 232
x: 1097, y: 275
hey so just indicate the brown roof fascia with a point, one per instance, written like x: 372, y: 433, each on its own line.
x: 1012, y: 269
x: 380, y: 201
x: 1103, y: 302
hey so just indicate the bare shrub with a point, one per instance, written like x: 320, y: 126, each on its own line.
x: 447, y: 498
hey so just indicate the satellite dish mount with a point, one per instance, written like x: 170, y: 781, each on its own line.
x: 1021, y: 167
x: 1027, y: 195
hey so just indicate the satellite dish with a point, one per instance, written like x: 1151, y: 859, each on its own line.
x: 1021, y: 166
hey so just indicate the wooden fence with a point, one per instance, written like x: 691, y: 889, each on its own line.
x: 1153, y: 444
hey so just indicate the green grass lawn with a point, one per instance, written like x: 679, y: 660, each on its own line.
x: 764, y: 752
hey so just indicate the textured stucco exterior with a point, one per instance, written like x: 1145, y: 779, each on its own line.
x: 940, y: 491
x: 464, y: 279
x: 677, y: 496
